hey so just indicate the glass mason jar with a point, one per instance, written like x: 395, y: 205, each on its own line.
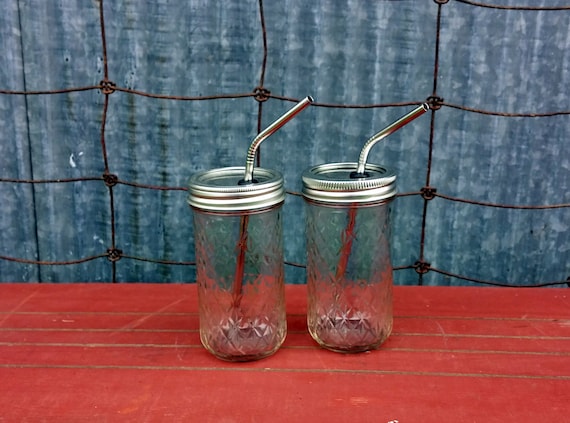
x: 239, y: 262
x: 349, y: 270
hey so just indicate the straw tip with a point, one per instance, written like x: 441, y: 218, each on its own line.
x: 310, y: 99
x: 359, y: 175
x: 248, y: 182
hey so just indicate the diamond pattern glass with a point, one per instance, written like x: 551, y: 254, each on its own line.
x: 240, y: 283
x: 349, y: 276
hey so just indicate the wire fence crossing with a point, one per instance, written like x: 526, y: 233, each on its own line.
x: 109, y: 86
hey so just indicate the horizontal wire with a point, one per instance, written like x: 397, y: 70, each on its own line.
x: 50, y: 181
x: 349, y: 106
x: 151, y: 187
x: 507, y: 114
x: 408, y: 194
x: 159, y: 261
x: 289, y: 192
x: 298, y: 265
x: 53, y: 263
x: 49, y: 92
x: 501, y: 7
x: 291, y: 99
x: 184, y: 98
x: 293, y: 264
x: 502, y: 206
x: 495, y: 283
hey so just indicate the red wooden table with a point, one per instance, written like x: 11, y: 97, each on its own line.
x: 131, y: 352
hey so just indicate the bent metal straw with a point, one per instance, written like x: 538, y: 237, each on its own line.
x: 390, y: 129
x: 266, y: 133
x: 348, y: 234
x: 241, y: 246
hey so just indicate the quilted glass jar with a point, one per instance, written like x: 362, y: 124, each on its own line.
x: 349, y: 270
x: 239, y: 262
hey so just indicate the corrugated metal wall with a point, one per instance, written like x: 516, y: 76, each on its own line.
x: 350, y: 52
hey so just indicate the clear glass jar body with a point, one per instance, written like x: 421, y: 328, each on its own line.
x: 349, y: 275
x: 239, y: 263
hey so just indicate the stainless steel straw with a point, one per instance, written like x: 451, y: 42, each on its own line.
x: 270, y: 130
x: 348, y: 233
x: 404, y: 120
x: 241, y: 246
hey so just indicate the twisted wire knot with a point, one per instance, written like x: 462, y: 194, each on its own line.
x: 422, y: 267
x: 261, y: 94
x: 110, y: 179
x: 107, y: 87
x: 114, y: 254
x: 428, y: 193
x: 434, y: 102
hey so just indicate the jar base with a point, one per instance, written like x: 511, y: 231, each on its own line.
x: 241, y: 358
x: 243, y: 339
x: 349, y: 335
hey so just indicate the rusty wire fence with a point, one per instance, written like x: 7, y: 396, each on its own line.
x: 115, y: 252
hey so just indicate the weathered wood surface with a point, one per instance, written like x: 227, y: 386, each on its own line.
x: 131, y: 352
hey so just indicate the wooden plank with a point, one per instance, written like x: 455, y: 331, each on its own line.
x: 410, y: 326
x: 482, y: 302
x: 462, y: 362
x: 80, y: 297
x: 295, y: 339
x: 408, y: 300
x: 81, y: 395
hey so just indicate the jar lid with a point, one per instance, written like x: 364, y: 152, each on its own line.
x: 339, y: 183
x: 220, y: 189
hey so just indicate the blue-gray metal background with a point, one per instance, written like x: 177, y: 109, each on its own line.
x: 344, y: 52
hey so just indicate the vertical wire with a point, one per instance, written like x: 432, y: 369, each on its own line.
x: 431, y: 140
x: 261, y: 76
x: 103, y: 40
x: 30, y: 150
x: 113, y: 248
x: 237, y: 287
x: 259, y: 122
x: 106, y: 93
x: 264, y: 38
